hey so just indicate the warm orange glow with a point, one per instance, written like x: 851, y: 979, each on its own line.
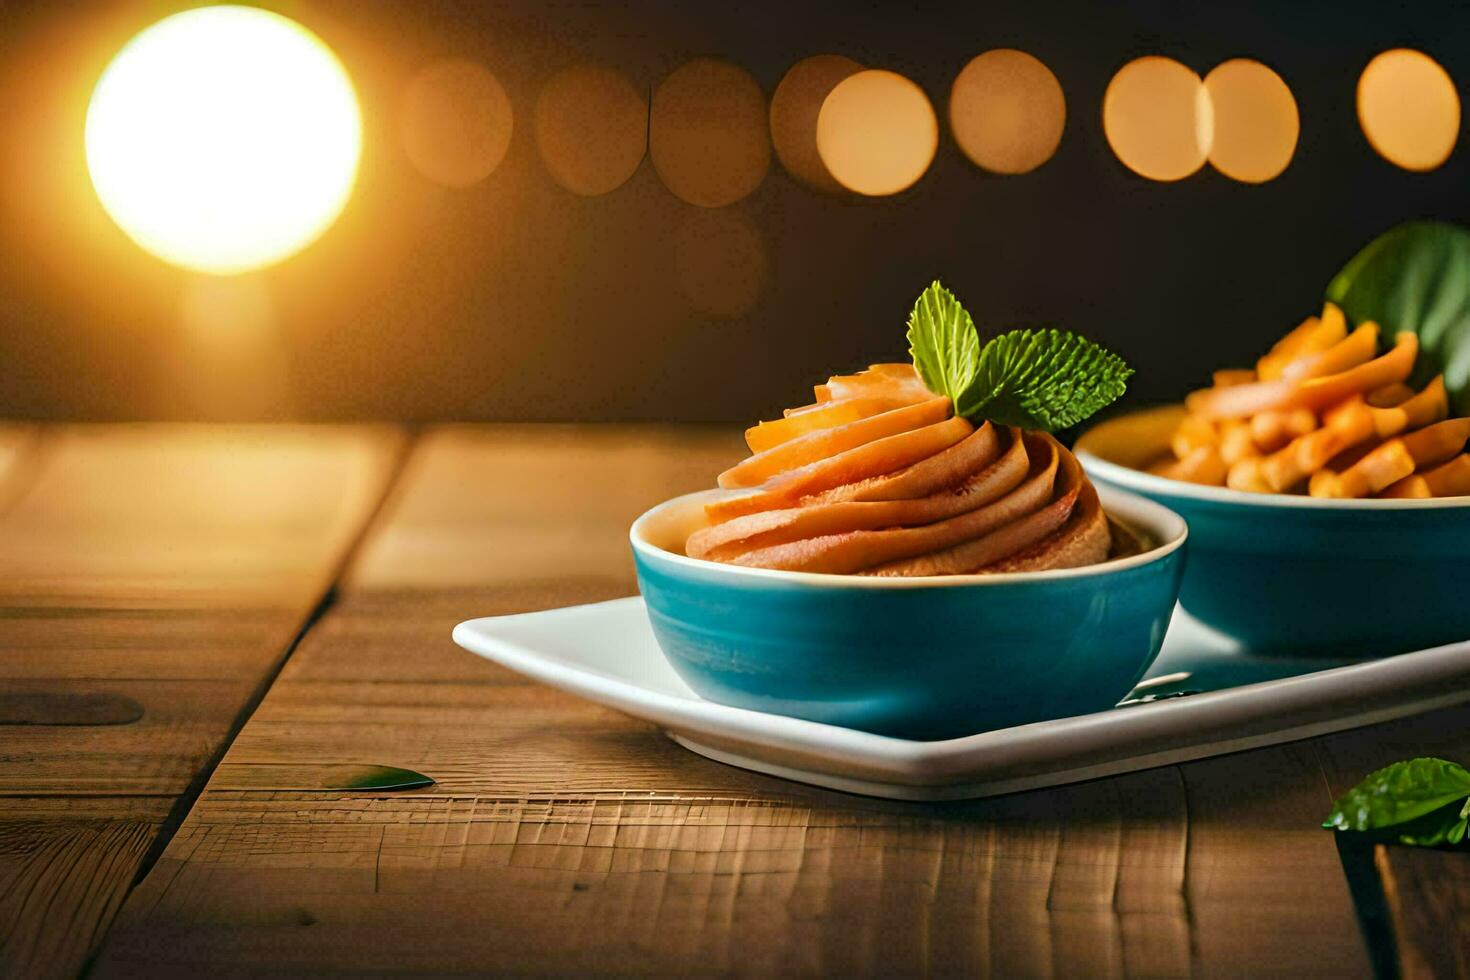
x: 1158, y: 119
x: 591, y: 129
x: 794, y: 110
x: 877, y: 133
x: 227, y: 313
x: 230, y: 360
x: 1409, y: 109
x: 1256, y: 124
x: 707, y: 133
x: 1007, y: 111
x: 224, y: 138
x: 456, y: 122
x: 720, y: 261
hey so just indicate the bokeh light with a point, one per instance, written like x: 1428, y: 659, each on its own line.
x: 877, y: 132
x: 224, y: 138
x: 720, y: 261
x: 1255, y: 121
x: 1409, y: 109
x: 591, y: 128
x: 1158, y: 119
x: 707, y: 133
x: 457, y: 122
x: 794, y: 109
x: 1007, y: 111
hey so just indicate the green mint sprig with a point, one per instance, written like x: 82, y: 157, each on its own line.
x: 1422, y: 802
x: 1035, y: 379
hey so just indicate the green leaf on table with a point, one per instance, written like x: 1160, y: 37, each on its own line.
x: 1423, y: 801
x: 943, y: 342
x: 1036, y: 379
x: 1043, y: 379
x: 1416, y: 277
x: 375, y: 777
x: 1445, y: 826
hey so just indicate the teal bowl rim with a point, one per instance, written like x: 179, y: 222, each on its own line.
x: 1150, y: 483
x: 1159, y: 521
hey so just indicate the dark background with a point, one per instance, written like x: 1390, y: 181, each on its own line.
x: 515, y: 299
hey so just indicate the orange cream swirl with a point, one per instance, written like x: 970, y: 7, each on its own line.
x: 879, y: 477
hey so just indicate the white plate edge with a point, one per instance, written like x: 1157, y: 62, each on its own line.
x: 914, y: 763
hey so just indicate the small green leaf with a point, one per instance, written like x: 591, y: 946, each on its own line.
x: 1416, y: 277
x: 943, y: 342
x: 1043, y: 379
x: 375, y: 777
x: 1402, y: 793
x: 1433, y: 830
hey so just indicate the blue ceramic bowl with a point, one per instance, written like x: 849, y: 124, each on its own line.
x: 1296, y: 575
x: 919, y: 658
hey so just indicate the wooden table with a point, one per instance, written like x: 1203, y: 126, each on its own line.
x: 197, y: 623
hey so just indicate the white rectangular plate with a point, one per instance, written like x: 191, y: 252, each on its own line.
x: 606, y: 653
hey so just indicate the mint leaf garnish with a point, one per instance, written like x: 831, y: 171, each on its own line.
x: 943, y: 342
x: 1043, y: 379
x: 1421, y: 802
x: 1035, y: 379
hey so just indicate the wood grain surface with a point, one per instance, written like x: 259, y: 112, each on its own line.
x: 563, y: 837
x: 151, y: 580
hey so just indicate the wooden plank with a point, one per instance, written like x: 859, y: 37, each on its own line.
x: 19, y: 445
x: 151, y: 579
x: 150, y: 517
x: 1427, y: 892
x: 1429, y: 896
x: 563, y: 837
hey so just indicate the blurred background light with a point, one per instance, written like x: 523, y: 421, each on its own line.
x: 231, y: 359
x: 1255, y: 121
x: 721, y: 261
x: 707, y: 133
x: 877, y: 132
x: 1158, y: 119
x: 1007, y: 111
x: 591, y: 128
x: 1409, y: 109
x: 456, y: 122
x: 794, y: 109
x: 224, y: 138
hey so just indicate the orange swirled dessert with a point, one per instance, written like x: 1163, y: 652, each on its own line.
x: 1325, y: 413
x: 939, y: 467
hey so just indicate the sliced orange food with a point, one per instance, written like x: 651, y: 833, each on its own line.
x: 1272, y: 430
x: 1346, y: 425
x: 1194, y: 433
x: 1354, y: 349
x: 856, y: 550
x: 1226, y: 377
x: 1004, y: 540
x: 884, y: 380
x: 1451, y: 479
x: 1390, y: 395
x: 1201, y: 465
x: 938, y: 472
x: 1243, y: 401
x: 868, y: 460
x: 727, y: 541
x: 809, y: 418
x: 1086, y: 539
x: 1395, y: 460
x: 823, y: 443
x: 1313, y: 335
x: 1429, y: 405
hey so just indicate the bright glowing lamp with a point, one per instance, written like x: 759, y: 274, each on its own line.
x: 224, y: 139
